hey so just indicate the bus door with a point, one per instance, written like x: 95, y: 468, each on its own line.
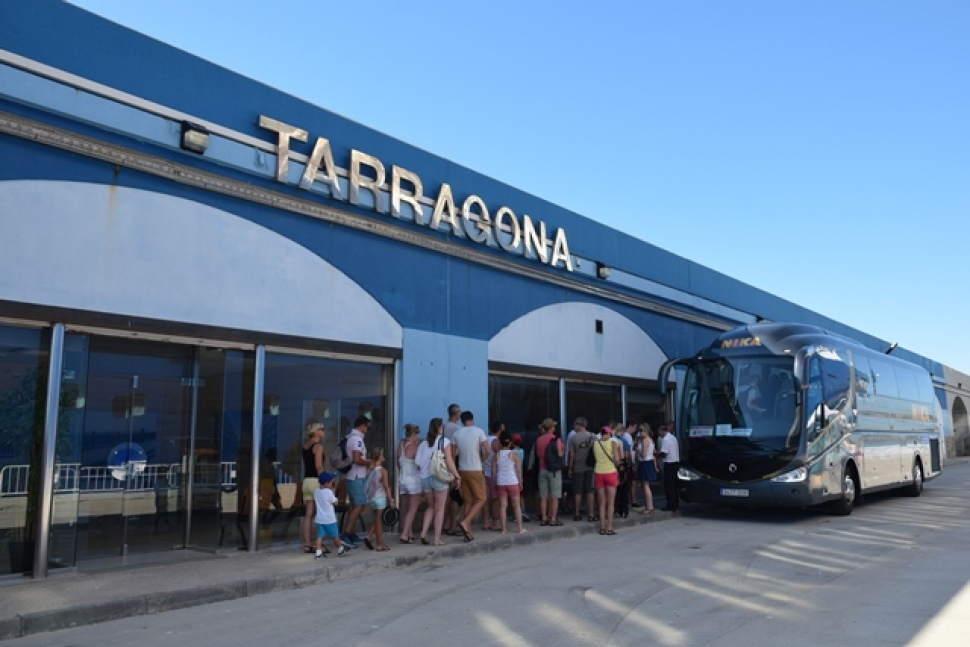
x: 665, y: 384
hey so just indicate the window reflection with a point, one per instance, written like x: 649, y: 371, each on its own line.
x: 297, y: 388
x: 23, y: 388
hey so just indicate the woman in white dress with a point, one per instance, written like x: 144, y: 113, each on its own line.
x: 410, y: 475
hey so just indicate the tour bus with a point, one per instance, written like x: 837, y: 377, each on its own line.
x: 785, y: 415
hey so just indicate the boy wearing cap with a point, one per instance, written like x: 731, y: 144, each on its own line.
x: 326, y: 516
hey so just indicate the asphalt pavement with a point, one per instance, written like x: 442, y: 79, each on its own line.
x: 190, y: 578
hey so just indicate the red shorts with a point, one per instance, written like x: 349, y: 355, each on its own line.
x: 511, y: 491
x: 600, y: 481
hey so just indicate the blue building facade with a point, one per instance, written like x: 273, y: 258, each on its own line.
x: 208, y: 264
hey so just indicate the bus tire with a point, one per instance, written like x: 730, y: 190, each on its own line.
x: 915, y: 488
x: 850, y: 491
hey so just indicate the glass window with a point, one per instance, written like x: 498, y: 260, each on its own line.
x: 863, y: 377
x: 883, y: 378
x: 600, y: 404
x: 644, y: 405
x: 906, y: 383
x: 835, y: 383
x: 725, y: 402
x: 926, y: 395
x: 23, y: 390
x: 522, y: 402
x: 332, y: 391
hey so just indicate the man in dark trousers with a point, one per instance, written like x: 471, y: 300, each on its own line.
x: 670, y: 457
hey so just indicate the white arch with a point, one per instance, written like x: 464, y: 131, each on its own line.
x: 563, y: 336
x: 138, y: 253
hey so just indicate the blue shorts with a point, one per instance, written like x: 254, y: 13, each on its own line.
x: 325, y: 530
x: 378, y: 503
x: 433, y: 484
x: 356, y: 492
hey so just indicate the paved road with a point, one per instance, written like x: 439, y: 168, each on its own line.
x: 891, y: 574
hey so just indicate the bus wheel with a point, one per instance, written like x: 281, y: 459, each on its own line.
x: 843, y: 505
x: 916, y: 487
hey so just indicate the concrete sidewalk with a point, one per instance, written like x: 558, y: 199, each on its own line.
x: 88, y: 597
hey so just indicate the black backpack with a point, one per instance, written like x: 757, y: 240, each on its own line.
x: 554, y: 461
x: 590, y: 455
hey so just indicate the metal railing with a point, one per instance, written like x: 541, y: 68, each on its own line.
x: 73, y: 477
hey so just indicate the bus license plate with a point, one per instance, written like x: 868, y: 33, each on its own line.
x: 726, y: 491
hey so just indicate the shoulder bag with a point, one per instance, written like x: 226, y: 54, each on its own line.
x: 439, y: 464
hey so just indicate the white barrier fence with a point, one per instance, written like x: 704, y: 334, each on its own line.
x: 73, y: 477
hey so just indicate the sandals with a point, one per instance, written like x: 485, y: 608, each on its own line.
x: 647, y: 511
x: 592, y: 518
x: 406, y: 541
x: 424, y: 540
x: 611, y: 532
x: 368, y: 543
x: 468, y: 536
x: 544, y: 522
x: 307, y: 549
x: 576, y: 517
x: 602, y: 531
x: 554, y: 523
x: 382, y: 549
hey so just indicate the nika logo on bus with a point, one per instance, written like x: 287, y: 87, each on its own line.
x: 366, y: 174
x: 741, y: 342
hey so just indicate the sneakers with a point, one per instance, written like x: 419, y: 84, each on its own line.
x: 342, y: 552
x: 526, y: 517
x: 319, y: 555
x: 635, y: 504
x: 350, y: 541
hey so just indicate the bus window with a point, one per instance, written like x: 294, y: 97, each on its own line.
x: 883, y: 379
x: 863, y: 377
x: 835, y: 384
x: 906, y: 383
x: 926, y: 395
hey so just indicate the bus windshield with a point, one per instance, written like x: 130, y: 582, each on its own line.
x: 743, y: 403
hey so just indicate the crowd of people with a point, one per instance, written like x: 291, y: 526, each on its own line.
x: 462, y: 475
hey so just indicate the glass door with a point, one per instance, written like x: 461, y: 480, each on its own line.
x: 147, y: 448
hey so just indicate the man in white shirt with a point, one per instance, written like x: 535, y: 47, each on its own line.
x: 670, y: 457
x: 355, y: 478
x: 472, y: 446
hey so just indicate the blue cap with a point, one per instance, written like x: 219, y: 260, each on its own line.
x: 326, y: 477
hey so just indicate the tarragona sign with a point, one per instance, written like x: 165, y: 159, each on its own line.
x: 503, y: 229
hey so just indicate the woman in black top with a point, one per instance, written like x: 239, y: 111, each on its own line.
x: 312, y: 469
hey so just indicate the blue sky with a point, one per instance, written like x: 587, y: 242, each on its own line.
x: 817, y: 150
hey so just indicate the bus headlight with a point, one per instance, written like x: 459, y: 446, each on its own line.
x: 797, y: 475
x: 685, y: 474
